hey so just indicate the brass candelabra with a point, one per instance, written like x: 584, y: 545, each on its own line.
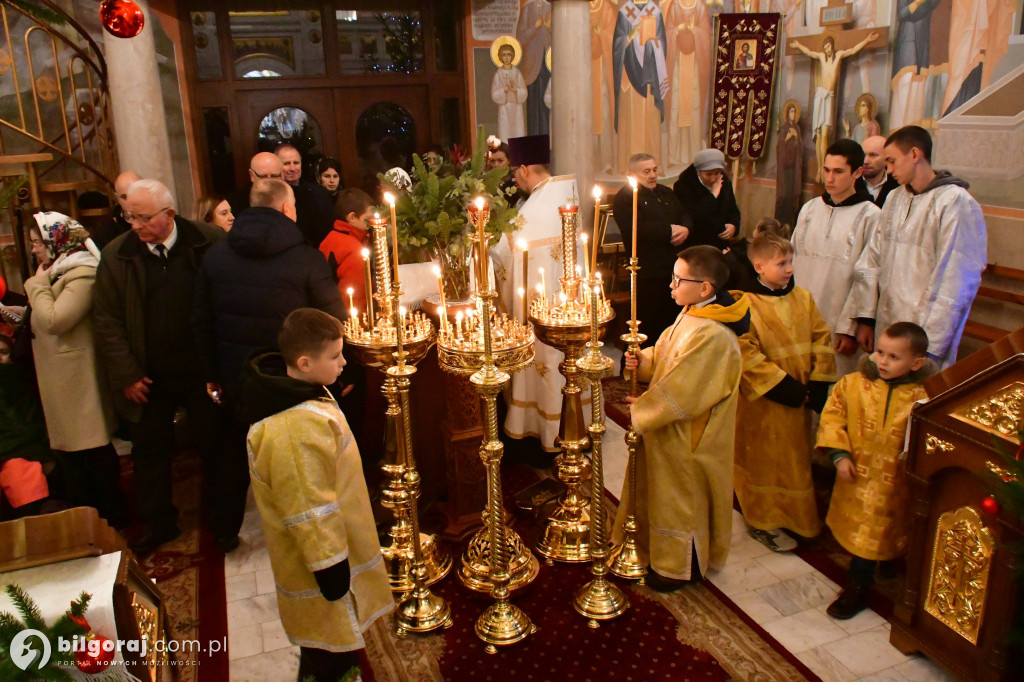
x: 387, y: 338
x: 490, y: 347
x: 626, y: 561
x: 599, y: 599
x: 564, y: 323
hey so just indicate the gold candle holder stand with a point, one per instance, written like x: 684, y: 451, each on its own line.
x: 625, y: 558
x: 599, y: 599
x: 464, y: 348
x: 564, y: 323
x: 377, y: 346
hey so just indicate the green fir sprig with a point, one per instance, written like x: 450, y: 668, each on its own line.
x: 66, y: 627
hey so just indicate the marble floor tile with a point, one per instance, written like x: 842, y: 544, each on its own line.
x: 784, y: 565
x: 825, y: 666
x: 805, y: 592
x: 804, y: 631
x: 274, y: 636
x: 265, y: 582
x: 743, y: 547
x: 282, y: 665
x: 253, y: 611
x: 244, y: 640
x: 242, y: 586
x: 865, y: 620
x: 755, y: 606
x: 921, y: 669
x: 887, y: 675
x: 744, y: 576
x: 868, y: 652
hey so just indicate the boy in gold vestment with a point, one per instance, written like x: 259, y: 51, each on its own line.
x: 787, y: 365
x: 686, y: 421
x: 863, y: 427
x: 308, y: 482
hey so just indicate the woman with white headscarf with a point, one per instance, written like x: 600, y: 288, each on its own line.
x: 79, y: 414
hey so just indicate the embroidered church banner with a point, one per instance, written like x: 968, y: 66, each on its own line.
x: 745, y: 55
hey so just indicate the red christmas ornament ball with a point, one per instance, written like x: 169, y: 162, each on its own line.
x: 3, y: 287
x: 122, y: 18
x: 990, y: 505
x: 90, y: 663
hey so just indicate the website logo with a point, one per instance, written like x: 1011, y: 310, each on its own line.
x: 25, y: 656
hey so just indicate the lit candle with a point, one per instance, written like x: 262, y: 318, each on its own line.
x: 543, y: 284
x: 636, y: 188
x: 353, y: 314
x: 440, y: 289
x: 401, y: 318
x: 351, y: 303
x: 369, y: 288
x: 597, y: 220
x: 390, y: 199
x: 482, y: 239
x: 525, y: 249
x: 458, y: 324
x: 522, y: 296
x: 586, y: 254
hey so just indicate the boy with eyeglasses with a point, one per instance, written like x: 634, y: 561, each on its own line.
x: 686, y: 422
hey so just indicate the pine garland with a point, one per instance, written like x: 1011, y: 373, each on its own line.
x: 66, y: 627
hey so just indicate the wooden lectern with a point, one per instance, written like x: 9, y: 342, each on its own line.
x: 34, y: 547
x: 960, y: 594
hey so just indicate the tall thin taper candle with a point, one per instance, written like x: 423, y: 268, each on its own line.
x: 440, y: 289
x: 597, y: 221
x: 586, y: 255
x: 481, y: 219
x: 369, y: 288
x: 636, y: 188
x: 523, y: 246
x: 390, y: 198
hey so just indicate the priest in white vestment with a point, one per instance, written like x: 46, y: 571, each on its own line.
x: 536, y: 403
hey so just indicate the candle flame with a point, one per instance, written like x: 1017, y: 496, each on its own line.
x: 437, y: 270
x: 598, y: 275
x: 376, y: 215
x: 366, y: 254
x: 401, y: 310
x: 479, y: 203
x: 458, y: 317
x: 351, y: 291
x: 579, y: 270
x: 540, y: 270
x: 522, y: 245
x: 583, y: 237
x: 597, y: 193
x: 597, y: 291
x: 354, y: 312
x: 632, y: 182
x: 540, y: 289
x: 389, y: 197
x: 522, y: 292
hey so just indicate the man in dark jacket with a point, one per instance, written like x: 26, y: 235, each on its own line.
x: 706, y: 193
x: 247, y: 285
x: 142, y: 305
x: 663, y: 229
x: 117, y: 225
x: 878, y: 181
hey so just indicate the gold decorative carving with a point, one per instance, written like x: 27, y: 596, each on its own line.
x: 148, y: 620
x: 999, y: 414
x: 1005, y: 474
x: 933, y: 444
x: 958, y: 580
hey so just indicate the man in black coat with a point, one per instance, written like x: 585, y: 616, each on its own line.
x: 313, y: 192
x: 663, y: 228
x: 879, y: 183
x: 142, y: 309
x: 247, y: 285
x: 706, y: 193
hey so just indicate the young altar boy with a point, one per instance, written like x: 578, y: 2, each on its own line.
x: 309, y: 487
x: 787, y: 365
x: 863, y: 428
x: 686, y: 421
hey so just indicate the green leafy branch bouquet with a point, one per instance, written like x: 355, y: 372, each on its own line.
x: 432, y: 215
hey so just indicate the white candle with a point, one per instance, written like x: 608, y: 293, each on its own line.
x: 390, y: 199
x: 586, y: 254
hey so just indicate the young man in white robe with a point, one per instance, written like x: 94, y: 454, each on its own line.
x: 829, y: 237
x: 924, y: 261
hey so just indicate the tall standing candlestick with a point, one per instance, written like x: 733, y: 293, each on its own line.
x: 390, y: 199
x: 597, y: 222
x: 636, y: 189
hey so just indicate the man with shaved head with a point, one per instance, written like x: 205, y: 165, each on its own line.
x: 879, y: 182
x: 117, y: 224
x: 265, y: 165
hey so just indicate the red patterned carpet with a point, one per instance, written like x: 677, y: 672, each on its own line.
x: 190, y: 573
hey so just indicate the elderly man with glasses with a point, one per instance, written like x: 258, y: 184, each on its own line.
x: 142, y: 309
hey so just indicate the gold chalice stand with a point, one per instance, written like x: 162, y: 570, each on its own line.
x: 489, y: 346
x: 599, y: 599
x: 388, y: 339
x: 626, y: 561
x: 563, y: 322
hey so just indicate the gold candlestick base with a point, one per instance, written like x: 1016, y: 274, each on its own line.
x: 502, y: 624
x: 475, y: 566
x: 422, y: 611
x: 398, y: 562
x: 600, y: 600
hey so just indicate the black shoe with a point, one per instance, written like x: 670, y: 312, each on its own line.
x: 887, y: 570
x: 152, y: 539
x: 660, y: 583
x: 851, y: 601
x: 226, y: 545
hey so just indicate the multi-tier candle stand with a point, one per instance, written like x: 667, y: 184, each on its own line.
x: 563, y: 322
x: 376, y: 343
x: 626, y: 561
x: 599, y: 599
x: 491, y: 346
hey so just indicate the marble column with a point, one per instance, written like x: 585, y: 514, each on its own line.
x: 572, y: 129
x: 137, y: 105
